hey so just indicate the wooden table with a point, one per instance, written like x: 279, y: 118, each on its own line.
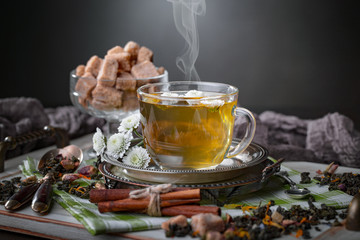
x: 59, y: 224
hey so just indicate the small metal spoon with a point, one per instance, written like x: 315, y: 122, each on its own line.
x: 67, y: 152
x: 294, y: 192
x: 42, y: 199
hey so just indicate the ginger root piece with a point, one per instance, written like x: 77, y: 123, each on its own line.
x: 204, y: 222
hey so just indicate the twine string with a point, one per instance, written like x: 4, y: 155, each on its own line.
x: 153, y: 192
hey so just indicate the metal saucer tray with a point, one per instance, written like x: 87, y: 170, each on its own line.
x: 251, y: 166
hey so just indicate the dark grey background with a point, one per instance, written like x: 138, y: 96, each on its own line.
x: 295, y: 57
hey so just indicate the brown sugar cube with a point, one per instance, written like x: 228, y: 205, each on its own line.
x: 80, y: 70
x: 114, y: 50
x: 101, y: 105
x: 93, y: 65
x: 161, y: 70
x: 84, y: 86
x: 132, y: 48
x: 82, y: 101
x: 123, y: 60
x: 130, y: 101
x: 125, y: 81
x: 143, y: 70
x: 108, y: 72
x: 108, y: 95
x: 144, y: 54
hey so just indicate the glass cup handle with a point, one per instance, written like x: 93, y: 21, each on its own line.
x: 249, y: 134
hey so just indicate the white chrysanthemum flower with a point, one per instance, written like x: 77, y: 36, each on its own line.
x: 129, y: 123
x: 213, y: 103
x: 138, y: 157
x: 245, y: 156
x: 169, y: 94
x: 99, y: 142
x: 194, y: 93
x: 117, y: 144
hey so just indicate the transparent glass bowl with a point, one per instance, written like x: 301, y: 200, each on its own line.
x: 129, y: 102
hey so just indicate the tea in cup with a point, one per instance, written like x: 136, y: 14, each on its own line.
x: 189, y: 125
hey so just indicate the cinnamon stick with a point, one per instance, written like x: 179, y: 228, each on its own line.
x: 102, y: 195
x: 189, y: 210
x: 129, y: 204
x: 186, y: 194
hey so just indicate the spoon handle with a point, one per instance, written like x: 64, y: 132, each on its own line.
x: 288, y: 180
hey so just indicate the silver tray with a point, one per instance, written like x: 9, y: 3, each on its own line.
x: 247, y: 182
x: 228, y: 169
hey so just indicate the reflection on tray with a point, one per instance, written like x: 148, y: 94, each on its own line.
x: 253, y: 179
x: 228, y: 169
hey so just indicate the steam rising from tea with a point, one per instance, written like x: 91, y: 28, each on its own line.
x: 185, y: 14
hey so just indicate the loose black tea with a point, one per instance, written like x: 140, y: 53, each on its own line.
x: 305, y: 178
x: 346, y: 182
x: 267, y: 224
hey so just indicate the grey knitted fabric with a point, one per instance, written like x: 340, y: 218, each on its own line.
x: 328, y: 139
x: 22, y: 115
x: 75, y: 122
x: 333, y: 137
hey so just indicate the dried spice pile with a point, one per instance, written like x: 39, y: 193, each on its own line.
x: 62, y: 169
x: 69, y: 185
x: 76, y: 189
x: 267, y: 224
x: 347, y: 182
x: 59, y: 165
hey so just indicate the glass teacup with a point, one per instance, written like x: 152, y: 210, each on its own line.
x: 189, y: 125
